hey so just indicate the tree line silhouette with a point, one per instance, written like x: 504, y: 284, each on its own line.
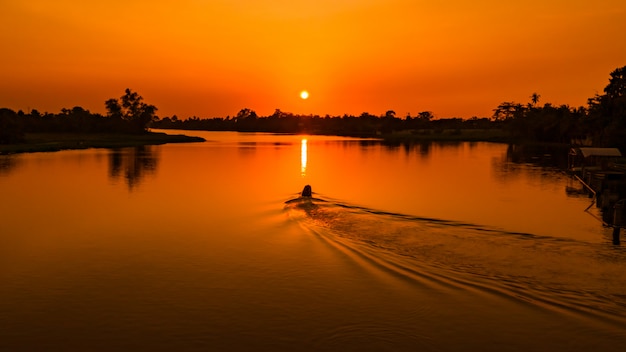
x: 364, y: 125
x: 126, y: 115
x: 601, y: 123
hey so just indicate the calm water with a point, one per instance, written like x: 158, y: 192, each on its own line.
x: 433, y: 247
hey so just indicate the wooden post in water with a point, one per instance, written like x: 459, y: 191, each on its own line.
x: 618, y: 221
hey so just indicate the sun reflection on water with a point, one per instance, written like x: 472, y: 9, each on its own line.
x: 303, y: 157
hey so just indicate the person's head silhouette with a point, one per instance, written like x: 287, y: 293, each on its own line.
x: 306, y: 192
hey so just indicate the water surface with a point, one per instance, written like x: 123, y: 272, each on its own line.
x: 206, y: 246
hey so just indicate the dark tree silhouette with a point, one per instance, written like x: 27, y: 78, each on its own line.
x: 246, y: 114
x: 617, y: 84
x: 246, y: 120
x: 607, y: 112
x: 535, y: 98
x: 426, y: 116
x: 11, y: 130
x: 131, y: 108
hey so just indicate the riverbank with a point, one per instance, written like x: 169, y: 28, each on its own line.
x: 51, y: 142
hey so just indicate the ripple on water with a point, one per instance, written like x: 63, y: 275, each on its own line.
x: 564, y: 276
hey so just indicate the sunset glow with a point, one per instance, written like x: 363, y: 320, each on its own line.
x: 304, y: 94
x: 213, y: 58
x: 303, y: 156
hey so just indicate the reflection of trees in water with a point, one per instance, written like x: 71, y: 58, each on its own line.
x: 132, y: 164
x: 419, y: 147
x: 539, y: 162
x: 538, y: 155
x: 8, y: 163
x: 247, y: 149
x: 425, y: 148
x: 533, y: 159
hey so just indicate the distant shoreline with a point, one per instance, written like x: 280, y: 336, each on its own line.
x: 52, y: 142
x: 493, y: 135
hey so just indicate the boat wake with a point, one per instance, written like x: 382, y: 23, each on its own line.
x: 556, y: 274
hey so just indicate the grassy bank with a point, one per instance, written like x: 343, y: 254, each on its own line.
x: 50, y: 142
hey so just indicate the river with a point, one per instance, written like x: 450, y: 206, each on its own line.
x: 208, y: 246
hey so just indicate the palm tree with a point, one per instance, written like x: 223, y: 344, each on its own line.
x: 535, y: 98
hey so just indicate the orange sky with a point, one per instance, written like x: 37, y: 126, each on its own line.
x: 212, y: 58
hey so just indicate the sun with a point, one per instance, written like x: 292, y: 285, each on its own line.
x: 304, y: 94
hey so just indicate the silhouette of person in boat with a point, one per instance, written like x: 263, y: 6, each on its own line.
x: 306, y: 198
x: 307, y: 192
